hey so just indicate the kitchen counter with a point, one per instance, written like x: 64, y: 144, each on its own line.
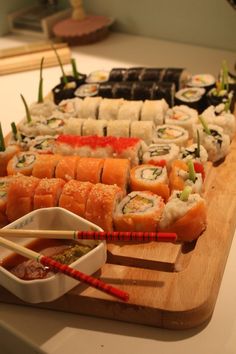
x: 56, y: 332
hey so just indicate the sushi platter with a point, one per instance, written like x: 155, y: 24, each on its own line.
x: 90, y: 148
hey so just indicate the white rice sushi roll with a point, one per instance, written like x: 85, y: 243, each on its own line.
x: 143, y: 130
x: 71, y: 107
x: 193, y: 152
x: 44, y: 109
x: 214, y: 141
x: 206, y: 81
x: 161, y: 154
x: 31, y: 128
x: 42, y: 144
x: 168, y: 133
x: 130, y: 110
x: 109, y: 108
x: 90, y: 107
x: 191, y: 96
x: 119, y: 128
x: 52, y: 125
x: 73, y: 126
x: 182, y: 116
x: 94, y: 127
x: 154, y: 110
x: 218, y: 116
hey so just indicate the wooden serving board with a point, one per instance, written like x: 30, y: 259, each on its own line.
x: 171, y: 286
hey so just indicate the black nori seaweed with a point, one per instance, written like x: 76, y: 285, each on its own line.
x: 152, y: 74
x: 105, y: 89
x: 61, y: 93
x: 123, y: 90
x: 142, y: 90
x: 133, y: 74
x: 164, y: 90
x: 117, y: 74
x: 71, y: 78
x: 173, y: 75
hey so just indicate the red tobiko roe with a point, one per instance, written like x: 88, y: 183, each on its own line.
x: 160, y: 163
x: 198, y: 168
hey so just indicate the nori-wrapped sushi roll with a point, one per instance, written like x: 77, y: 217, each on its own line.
x: 133, y: 74
x: 123, y: 90
x: 152, y: 74
x: 177, y: 75
x: 193, y: 97
x: 117, y: 74
x: 142, y: 90
x: 164, y: 90
x: 106, y: 89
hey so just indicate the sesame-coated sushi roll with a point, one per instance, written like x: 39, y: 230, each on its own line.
x: 182, y: 116
x: 47, y: 192
x: 94, y: 127
x: 74, y: 196
x: 116, y: 171
x: 74, y: 126
x: 109, y: 108
x: 143, y: 130
x: 23, y: 163
x: 184, y: 215
x: 139, y: 211
x: 90, y: 107
x: 167, y: 134
x: 194, y: 152
x: 154, y: 111
x: 6, y: 154
x: 4, y: 186
x: 66, y: 167
x: 161, y: 154
x: 20, y: 196
x: 150, y: 178
x: 89, y: 169
x: 130, y: 110
x: 45, y: 166
x: 101, y: 205
x: 118, y: 128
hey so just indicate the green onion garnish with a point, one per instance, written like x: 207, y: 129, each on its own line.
x: 65, y: 80
x: 185, y: 194
x: 14, y: 130
x: 40, y: 92
x: 2, y: 142
x: 198, y: 144
x: 204, y: 124
x: 191, y: 171
x: 225, y: 76
x: 74, y: 68
x: 28, y: 116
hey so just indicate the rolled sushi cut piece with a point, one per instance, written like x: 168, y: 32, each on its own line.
x: 150, y: 178
x: 22, y: 162
x: 133, y: 74
x: 87, y: 90
x: 98, y: 76
x: 47, y: 192
x: 43, y: 109
x: 70, y: 108
x: 90, y: 107
x: 144, y: 130
x: 139, y: 211
x: 118, y: 128
x: 164, y: 90
x: 42, y: 144
x: 169, y: 133
x: 117, y: 172
x: 117, y: 74
x: 161, y: 154
x: 6, y: 154
x: 4, y: 186
x: 182, y: 116
x: 129, y: 148
x: 74, y: 126
x: 45, y: 165
x: 109, y: 108
x: 66, y: 167
x: 106, y: 89
x: 130, y: 110
x: 142, y: 90
x: 185, y: 216
x: 179, y: 76
x: 154, y: 110
x: 152, y: 74
x: 194, y: 152
x: 101, y: 205
x: 89, y: 169
x: 193, y: 97
x: 123, y: 90
x: 94, y: 127
x: 206, y: 81
x: 52, y: 125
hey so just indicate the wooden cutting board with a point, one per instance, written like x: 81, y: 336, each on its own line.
x: 170, y: 285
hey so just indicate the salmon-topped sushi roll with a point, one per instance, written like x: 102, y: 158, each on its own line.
x: 66, y: 167
x: 4, y: 186
x: 150, y: 178
x: 20, y: 199
x: 74, y: 196
x: 101, y: 204
x: 184, y: 214
x: 48, y: 192
x: 139, y: 211
x: 23, y: 163
x: 6, y: 153
x: 45, y: 166
x: 116, y: 171
x: 89, y: 169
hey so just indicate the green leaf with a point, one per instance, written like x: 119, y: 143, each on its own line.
x: 28, y: 116
x: 185, y: 194
x: 61, y: 66
x: 40, y: 91
x: 2, y: 142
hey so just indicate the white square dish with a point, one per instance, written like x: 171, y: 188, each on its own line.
x: 49, y: 289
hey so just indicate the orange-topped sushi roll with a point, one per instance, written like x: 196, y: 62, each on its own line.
x: 150, y: 178
x: 48, y: 192
x: 5, y: 156
x: 74, y: 196
x: 116, y: 171
x: 66, y: 167
x: 89, y: 169
x: 4, y: 186
x: 139, y: 211
x: 20, y: 196
x: 101, y: 204
x: 45, y: 166
x: 23, y: 163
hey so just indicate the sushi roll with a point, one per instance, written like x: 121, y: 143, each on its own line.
x: 133, y: 74
x: 109, y: 108
x: 23, y: 163
x: 94, y: 127
x: 70, y: 107
x: 98, y: 76
x: 142, y: 90
x: 154, y: 111
x: 182, y: 116
x: 117, y: 172
x: 185, y: 214
x: 164, y: 90
x: 74, y: 196
x: 206, y: 81
x: 139, y: 211
x: 150, y: 178
x: 87, y: 90
x: 179, y: 76
x: 31, y: 128
x: 117, y: 74
x: 90, y: 107
x: 214, y: 140
x: 42, y: 144
x: 106, y: 90
x: 53, y: 125
x: 89, y: 169
x: 45, y: 165
x: 151, y: 74
x: 6, y: 154
x: 129, y: 148
x: 167, y: 134
x: 47, y: 192
x: 160, y: 154
x: 194, y: 152
x: 143, y: 130
x: 118, y: 128
x: 193, y: 97
x: 101, y: 204
x: 66, y: 167
x: 43, y: 109
x: 123, y: 90
x: 21, y: 196
x: 74, y: 126
x: 130, y: 110
x: 4, y: 186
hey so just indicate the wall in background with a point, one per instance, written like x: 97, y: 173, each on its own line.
x: 210, y: 23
